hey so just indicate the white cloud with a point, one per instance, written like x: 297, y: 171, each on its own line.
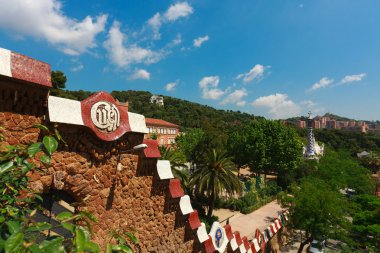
x: 255, y: 73
x: 308, y: 103
x: 44, y: 19
x: 77, y: 68
x: 140, y: 74
x: 173, y: 13
x: 208, y: 86
x: 123, y: 54
x: 209, y: 81
x: 353, y: 78
x: 176, y: 41
x: 279, y: 105
x: 323, y: 83
x: 177, y: 11
x: 235, y: 97
x: 171, y: 86
x: 213, y: 94
x: 200, y: 40
x: 155, y: 22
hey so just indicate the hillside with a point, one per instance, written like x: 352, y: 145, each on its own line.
x: 184, y: 113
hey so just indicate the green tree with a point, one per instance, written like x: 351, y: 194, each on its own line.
x: 267, y: 147
x: 366, y: 221
x: 316, y: 209
x: 215, y: 177
x: 58, y: 79
x: 340, y: 170
x: 189, y: 143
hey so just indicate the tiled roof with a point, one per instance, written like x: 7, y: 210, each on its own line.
x: 159, y: 122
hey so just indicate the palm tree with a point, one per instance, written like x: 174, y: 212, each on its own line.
x: 215, y: 176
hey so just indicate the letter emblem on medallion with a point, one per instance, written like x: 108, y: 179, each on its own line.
x: 105, y: 116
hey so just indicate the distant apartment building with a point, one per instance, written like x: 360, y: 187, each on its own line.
x: 331, y: 124
x: 159, y: 100
x: 165, y: 131
x: 342, y: 124
x: 374, y: 129
x: 317, y: 124
x: 354, y: 126
x: 301, y: 124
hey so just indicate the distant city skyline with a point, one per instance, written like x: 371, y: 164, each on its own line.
x: 269, y: 58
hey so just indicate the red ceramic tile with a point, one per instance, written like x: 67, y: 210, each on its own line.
x: 194, y: 221
x: 229, y: 232
x: 246, y: 243
x: 152, y: 150
x: 260, y: 238
x: 209, y: 246
x: 271, y: 229
x: 175, y: 188
x: 252, y: 246
x: 238, y: 238
x: 30, y: 70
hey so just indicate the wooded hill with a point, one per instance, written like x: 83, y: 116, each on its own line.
x: 181, y: 112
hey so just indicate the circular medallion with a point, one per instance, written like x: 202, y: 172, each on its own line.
x: 105, y: 116
x: 219, y: 237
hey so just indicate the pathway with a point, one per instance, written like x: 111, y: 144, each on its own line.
x: 246, y: 224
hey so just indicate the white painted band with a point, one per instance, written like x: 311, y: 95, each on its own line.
x: 278, y: 224
x: 242, y: 248
x: 256, y: 245
x: 185, y: 205
x: 234, y: 245
x: 202, y: 233
x: 64, y: 110
x: 164, y: 170
x: 5, y: 62
x: 274, y: 227
x: 137, y: 123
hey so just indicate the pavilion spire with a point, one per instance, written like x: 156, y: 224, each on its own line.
x: 310, y: 152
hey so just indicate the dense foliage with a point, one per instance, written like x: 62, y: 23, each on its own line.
x: 317, y: 209
x: 319, y: 206
x: 366, y: 221
x: 267, y: 147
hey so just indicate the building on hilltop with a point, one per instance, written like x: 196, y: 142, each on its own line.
x: 165, y: 131
x: 159, y: 100
x: 312, y: 150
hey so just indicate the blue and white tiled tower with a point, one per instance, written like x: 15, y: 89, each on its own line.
x: 310, y: 152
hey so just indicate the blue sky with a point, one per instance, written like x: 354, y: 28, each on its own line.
x: 272, y: 58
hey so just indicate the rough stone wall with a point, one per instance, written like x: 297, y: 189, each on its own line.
x: 21, y: 107
x: 86, y: 169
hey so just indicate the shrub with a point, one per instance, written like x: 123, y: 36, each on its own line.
x: 208, y: 221
x: 250, y: 199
